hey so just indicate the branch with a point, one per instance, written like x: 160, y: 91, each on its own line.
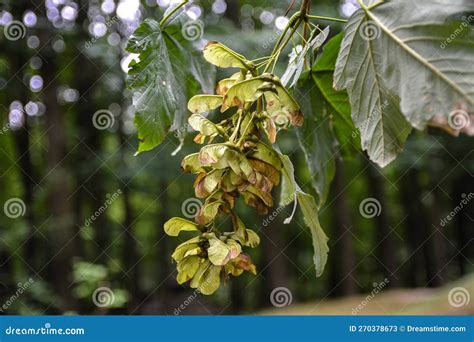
x: 318, y: 17
x: 305, y: 7
x: 173, y: 11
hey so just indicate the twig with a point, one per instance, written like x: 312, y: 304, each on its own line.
x: 173, y: 11
x: 326, y: 18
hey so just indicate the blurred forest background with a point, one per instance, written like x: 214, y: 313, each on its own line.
x: 59, y: 168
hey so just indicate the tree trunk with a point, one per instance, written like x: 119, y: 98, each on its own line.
x: 130, y: 256
x: 341, y: 278
x: 386, y: 252
x: 275, y: 265
x: 419, y: 263
x: 463, y: 222
x: 438, y: 244
x: 58, y: 178
x: 93, y: 183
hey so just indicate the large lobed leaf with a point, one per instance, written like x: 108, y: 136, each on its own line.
x: 335, y: 102
x: 401, y: 70
x: 316, y: 137
x: 168, y: 72
x: 328, y: 120
x: 153, y: 87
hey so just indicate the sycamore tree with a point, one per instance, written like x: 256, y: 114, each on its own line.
x: 398, y: 66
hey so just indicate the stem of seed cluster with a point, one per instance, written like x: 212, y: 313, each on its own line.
x: 305, y: 6
x: 244, y: 133
x: 292, y: 22
x: 276, y: 54
x: 236, y: 130
x: 173, y: 11
x: 318, y: 17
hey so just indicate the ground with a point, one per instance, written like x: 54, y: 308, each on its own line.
x: 392, y: 302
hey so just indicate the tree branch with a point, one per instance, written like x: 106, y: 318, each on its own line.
x: 305, y: 7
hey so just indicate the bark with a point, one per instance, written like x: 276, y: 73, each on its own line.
x: 58, y: 178
x: 342, y: 269
x: 274, y: 263
x: 386, y: 252
x: 438, y: 244
x: 168, y: 287
x: 92, y: 183
x: 130, y: 256
x: 418, y: 267
x: 463, y: 222
x: 18, y: 91
x: 237, y: 291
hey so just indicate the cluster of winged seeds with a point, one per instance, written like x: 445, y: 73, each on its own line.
x: 237, y: 160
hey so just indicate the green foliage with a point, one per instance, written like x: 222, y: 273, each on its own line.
x: 310, y: 214
x: 328, y: 122
x: 297, y: 59
x: 291, y: 192
x: 398, y: 74
x: 63, y: 167
x: 86, y: 277
x: 367, y: 88
x: 316, y: 137
x: 165, y: 76
x: 336, y: 103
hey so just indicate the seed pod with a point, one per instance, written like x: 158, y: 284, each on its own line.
x: 181, y: 250
x: 244, y: 262
x: 208, y: 212
x: 254, y: 201
x: 191, y: 164
x: 239, y: 164
x: 187, y: 268
x: 268, y: 170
